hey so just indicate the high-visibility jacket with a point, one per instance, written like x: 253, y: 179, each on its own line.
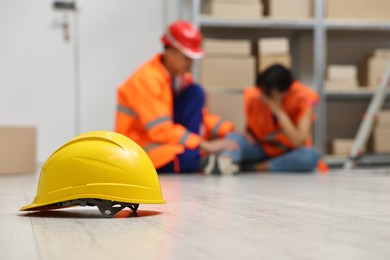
x: 145, y: 114
x: 264, y: 125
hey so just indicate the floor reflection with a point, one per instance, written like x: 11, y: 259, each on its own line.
x: 88, y: 213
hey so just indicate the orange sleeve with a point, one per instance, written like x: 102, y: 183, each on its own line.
x: 250, y: 95
x: 153, y: 109
x: 122, y: 118
x: 308, y: 101
x: 214, y: 126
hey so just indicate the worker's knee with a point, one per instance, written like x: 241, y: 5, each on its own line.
x: 307, y: 158
x: 195, y: 91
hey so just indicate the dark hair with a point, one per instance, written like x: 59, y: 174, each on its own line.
x: 275, y: 77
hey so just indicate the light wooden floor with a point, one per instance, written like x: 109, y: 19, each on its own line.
x: 251, y: 216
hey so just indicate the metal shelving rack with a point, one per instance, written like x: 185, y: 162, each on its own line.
x: 320, y: 26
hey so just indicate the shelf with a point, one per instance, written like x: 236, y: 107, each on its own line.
x: 318, y: 28
x: 304, y: 24
x: 351, y: 94
x: 357, y: 25
x: 257, y: 23
x: 368, y: 160
x: 334, y: 161
x: 224, y: 90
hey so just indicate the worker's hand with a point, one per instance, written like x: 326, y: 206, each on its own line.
x: 218, y: 145
x: 249, y: 137
x: 274, y: 101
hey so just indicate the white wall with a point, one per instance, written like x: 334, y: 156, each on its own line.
x: 63, y: 87
x: 116, y: 37
x: 36, y: 76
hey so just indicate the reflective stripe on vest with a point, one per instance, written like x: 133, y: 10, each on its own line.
x: 151, y: 147
x: 214, y: 131
x: 126, y: 110
x: 272, y: 138
x: 184, y: 137
x: 157, y: 121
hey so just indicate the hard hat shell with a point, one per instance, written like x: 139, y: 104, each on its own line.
x: 185, y: 37
x: 100, y: 165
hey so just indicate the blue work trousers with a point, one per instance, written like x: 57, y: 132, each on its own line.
x: 187, y: 106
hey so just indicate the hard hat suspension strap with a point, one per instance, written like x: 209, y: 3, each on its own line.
x: 108, y: 208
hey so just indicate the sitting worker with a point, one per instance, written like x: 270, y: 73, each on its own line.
x: 161, y: 109
x: 279, y: 114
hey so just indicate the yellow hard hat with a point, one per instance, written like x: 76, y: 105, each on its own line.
x: 103, y: 169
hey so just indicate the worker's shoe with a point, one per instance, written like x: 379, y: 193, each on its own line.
x: 209, y: 165
x: 220, y: 165
x: 227, y: 166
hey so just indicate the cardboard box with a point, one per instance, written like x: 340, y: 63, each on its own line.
x: 384, y: 53
x: 241, y: 11
x: 342, y: 146
x: 288, y: 9
x: 272, y: 46
x: 376, y: 66
x: 381, y: 140
x: 339, y: 85
x: 17, y: 149
x: 358, y: 9
x: 383, y: 119
x: 229, y: 106
x: 228, y: 47
x: 267, y: 60
x: 344, y: 73
x: 240, y: 2
x: 206, y: 4
x: 227, y: 72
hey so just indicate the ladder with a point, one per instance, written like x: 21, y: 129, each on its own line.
x: 365, y: 127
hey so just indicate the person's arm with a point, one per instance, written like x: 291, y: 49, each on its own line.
x: 217, y: 145
x: 298, y: 134
x: 215, y: 130
x: 214, y: 126
x: 150, y: 108
x: 145, y: 100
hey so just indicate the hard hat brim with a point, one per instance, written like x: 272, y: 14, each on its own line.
x: 194, y: 54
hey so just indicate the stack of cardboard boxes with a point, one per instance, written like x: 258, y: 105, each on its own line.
x: 273, y: 51
x: 381, y: 134
x: 255, y: 9
x: 376, y: 66
x: 228, y: 65
x: 245, y: 9
x: 17, y: 149
x: 341, y: 77
x: 229, y: 106
x: 345, y: 77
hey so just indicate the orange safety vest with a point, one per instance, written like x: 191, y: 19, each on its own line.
x: 261, y: 123
x: 145, y: 112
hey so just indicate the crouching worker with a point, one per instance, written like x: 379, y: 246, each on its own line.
x: 279, y: 114
x: 161, y: 109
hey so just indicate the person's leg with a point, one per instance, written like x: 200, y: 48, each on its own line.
x: 299, y: 160
x: 247, y: 151
x: 187, y: 107
x: 231, y: 161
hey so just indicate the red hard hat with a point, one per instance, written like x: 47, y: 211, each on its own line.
x: 185, y: 37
